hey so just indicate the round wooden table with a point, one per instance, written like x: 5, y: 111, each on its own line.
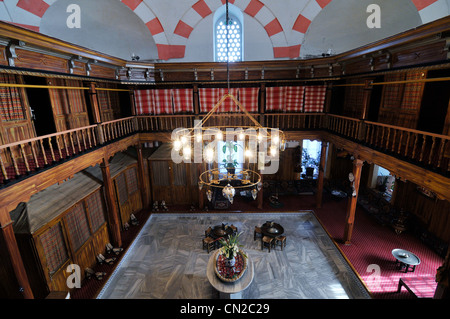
x: 229, y: 290
x: 272, y: 229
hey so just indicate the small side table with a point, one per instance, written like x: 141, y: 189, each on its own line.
x: 405, y: 260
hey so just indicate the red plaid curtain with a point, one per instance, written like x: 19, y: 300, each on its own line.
x: 132, y: 181
x: 228, y: 105
x: 76, y: 97
x: 392, y: 93
x: 162, y: 101
x: 275, y: 98
x: 412, y: 95
x: 54, y: 248
x: 248, y: 97
x: 183, y: 101
x: 10, y: 100
x: 144, y: 102
x: 208, y: 99
x: 315, y: 98
x: 294, y: 98
x: 95, y: 208
x: 77, y: 226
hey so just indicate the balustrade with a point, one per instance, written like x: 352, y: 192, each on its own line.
x: 425, y: 149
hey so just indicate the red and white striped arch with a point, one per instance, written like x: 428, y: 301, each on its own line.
x: 313, y: 8
x: 253, y: 8
x: 32, y: 12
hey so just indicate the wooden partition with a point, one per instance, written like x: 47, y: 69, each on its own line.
x: 176, y: 184
x: 62, y: 225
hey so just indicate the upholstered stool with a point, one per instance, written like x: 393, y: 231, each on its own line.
x: 234, y: 228
x: 257, y: 233
x: 267, y: 241
x: 208, y: 244
x: 280, y: 240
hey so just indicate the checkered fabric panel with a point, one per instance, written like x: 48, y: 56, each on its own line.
x: 54, y: 248
x: 392, y: 93
x: 315, y: 98
x: 163, y: 101
x: 276, y: 99
x: 248, y: 97
x: 144, y: 102
x: 412, y: 95
x: 122, y: 188
x: 294, y: 98
x: 10, y: 100
x: 183, y: 101
x: 78, y: 226
x: 208, y: 97
x: 58, y: 97
x: 76, y: 97
x: 228, y: 104
x: 95, y: 208
x: 132, y: 181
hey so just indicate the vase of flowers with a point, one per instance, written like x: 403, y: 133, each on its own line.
x: 230, y: 249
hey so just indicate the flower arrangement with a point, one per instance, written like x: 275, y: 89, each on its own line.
x: 230, y: 246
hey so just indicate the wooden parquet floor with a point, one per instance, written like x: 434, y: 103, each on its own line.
x: 167, y: 261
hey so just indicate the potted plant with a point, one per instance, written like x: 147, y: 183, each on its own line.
x: 229, y: 161
x: 310, y: 163
x: 230, y: 249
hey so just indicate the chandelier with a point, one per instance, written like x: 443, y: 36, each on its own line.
x: 244, y: 150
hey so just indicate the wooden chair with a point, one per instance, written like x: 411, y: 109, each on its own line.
x: 208, y: 231
x: 267, y: 241
x: 208, y: 244
x: 257, y: 232
x: 280, y: 240
x: 234, y: 228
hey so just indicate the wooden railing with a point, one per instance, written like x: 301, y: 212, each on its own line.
x: 115, y: 129
x: 426, y: 149
x: 423, y: 148
x: 23, y: 157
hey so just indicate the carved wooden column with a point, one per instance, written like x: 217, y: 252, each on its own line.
x: 141, y: 176
x: 113, y: 217
x: 352, y: 201
x: 14, y: 254
x: 321, y: 174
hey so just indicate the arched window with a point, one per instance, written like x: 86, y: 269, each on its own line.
x: 235, y: 51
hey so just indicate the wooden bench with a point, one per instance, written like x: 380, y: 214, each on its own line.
x: 421, y: 287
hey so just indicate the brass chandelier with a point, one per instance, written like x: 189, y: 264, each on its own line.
x: 203, y: 143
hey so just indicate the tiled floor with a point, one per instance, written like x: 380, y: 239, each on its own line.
x: 167, y: 261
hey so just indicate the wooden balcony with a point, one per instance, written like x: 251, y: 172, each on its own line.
x: 426, y: 150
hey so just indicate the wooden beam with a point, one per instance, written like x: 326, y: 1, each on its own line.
x: 6, y: 227
x: 112, y: 211
x: 352, y: 201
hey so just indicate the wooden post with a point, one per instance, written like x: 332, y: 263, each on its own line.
x: 352, y: 201
x: 14, y: 254
x: 113, y: 217
x: 321, y: 174
x: 141, y: 176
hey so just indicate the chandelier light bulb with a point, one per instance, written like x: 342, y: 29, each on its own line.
x: 219, y: 135
x: 187, y: 152
x: 198, y: 138
x: 209, y: 155
x: 273, y: 151
x: 248, y: 153
x: 183, y: 140
x: 177, y: 145
x: 276, y: 139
